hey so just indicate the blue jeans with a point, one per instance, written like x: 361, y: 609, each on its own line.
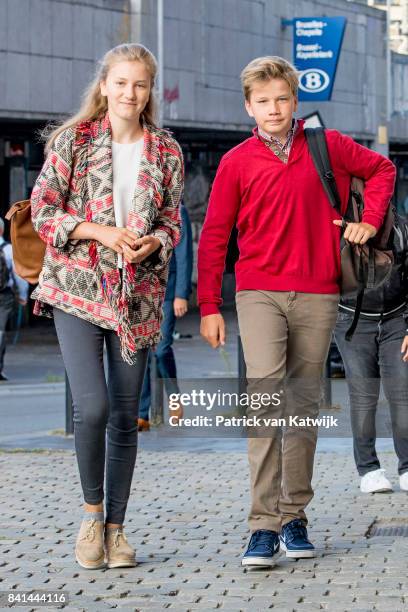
x: 105, y: 414
x: 166, y: 364
x: 374, y: 356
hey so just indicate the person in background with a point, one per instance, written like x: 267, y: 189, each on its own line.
x: 175, y: 305
x: 12, y: 287
x: 378, y: 353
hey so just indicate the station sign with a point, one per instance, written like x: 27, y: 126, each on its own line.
x: 317, y: 45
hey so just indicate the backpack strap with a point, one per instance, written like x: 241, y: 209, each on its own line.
x: 316, y: 140
x: 359, y: 302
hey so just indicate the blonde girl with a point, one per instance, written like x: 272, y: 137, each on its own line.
x: 106, y: 203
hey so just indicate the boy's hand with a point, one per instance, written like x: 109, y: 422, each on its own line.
x: 213, y: 330
x: 357, y: 233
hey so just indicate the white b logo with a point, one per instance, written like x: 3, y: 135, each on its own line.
x: 313, y: 80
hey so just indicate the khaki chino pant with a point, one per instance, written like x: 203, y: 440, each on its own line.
x: 285, y: 336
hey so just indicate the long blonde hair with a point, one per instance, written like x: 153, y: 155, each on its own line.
x: 94, y: 105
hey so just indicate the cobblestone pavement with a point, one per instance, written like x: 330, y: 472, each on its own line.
x: 187, y: 518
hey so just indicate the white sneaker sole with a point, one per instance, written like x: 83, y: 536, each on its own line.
x: 383, y: 490
x: 298, y: 554
x: 261, y: 561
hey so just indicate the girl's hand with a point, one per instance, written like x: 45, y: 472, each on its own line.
x: 115, y: 238
x: 404, y: 349
x: 142, y: 248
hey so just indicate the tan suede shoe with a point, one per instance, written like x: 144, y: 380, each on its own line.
x: 89, y: 545
x: 118, y: 552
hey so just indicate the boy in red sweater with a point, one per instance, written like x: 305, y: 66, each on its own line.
x: 287, y: 280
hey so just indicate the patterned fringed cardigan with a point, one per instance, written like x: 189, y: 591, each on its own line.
x: 81, y: 277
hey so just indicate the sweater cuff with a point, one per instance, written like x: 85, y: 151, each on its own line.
x: 163, y: 254
x: 209, y: 309
x: 372, y: 220
x: 60, y: 230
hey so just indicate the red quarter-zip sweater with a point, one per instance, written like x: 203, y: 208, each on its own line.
x: 286, y: 237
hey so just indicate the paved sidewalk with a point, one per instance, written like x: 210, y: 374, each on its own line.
x: 188, y: 507
x: 187, y: 518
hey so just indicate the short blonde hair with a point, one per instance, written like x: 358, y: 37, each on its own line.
x: 267, y: 68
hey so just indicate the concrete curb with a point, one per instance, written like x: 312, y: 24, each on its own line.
x: 6, y: 390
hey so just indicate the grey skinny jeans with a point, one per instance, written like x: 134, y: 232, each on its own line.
x: 105, y: 413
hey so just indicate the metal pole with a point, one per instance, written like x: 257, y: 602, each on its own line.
x: 156, y: 399
x: 241, y: 368
x: 160, y: 59
x: 327, y: 388
x: 388, y: 63
x: 69, y: 410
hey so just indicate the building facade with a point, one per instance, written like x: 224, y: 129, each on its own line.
x: 398, y: 22
x: 49, y: 49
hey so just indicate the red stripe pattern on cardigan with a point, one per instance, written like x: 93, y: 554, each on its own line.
x: 82, y: 277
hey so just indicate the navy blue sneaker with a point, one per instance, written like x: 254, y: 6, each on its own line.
x: 263, y: 549
x: 294, y: 540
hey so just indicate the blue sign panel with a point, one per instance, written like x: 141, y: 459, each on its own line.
x: 317, y: 44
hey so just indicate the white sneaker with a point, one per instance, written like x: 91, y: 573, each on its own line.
x: 375, y: 482
x: 404, y: 481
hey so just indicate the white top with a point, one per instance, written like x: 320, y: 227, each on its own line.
x: 125, y: 162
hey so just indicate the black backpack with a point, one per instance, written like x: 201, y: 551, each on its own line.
x: 400, y: 236
x: 4, y: 270
x: 399, y: 244
x: 365, y: 266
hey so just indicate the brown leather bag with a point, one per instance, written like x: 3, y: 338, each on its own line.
x: 28, y: 248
